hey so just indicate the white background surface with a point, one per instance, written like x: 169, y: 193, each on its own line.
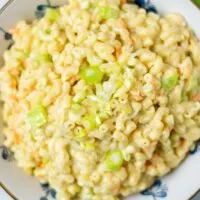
x: 3, y: 195
x: 2, y: 2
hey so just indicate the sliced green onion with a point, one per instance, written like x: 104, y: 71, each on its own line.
x: 44, y: 58
x: 91, y: 74
x: 37, y: 117
x: 80, y: 132
x: 89, y: 122
x: 108, y: 13
x: 114, y: 160
x: 169, y: 81
x: 52, y: 14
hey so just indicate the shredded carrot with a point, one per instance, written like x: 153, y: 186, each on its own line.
x: 148, y: 163
x: 15, y: 31
x: 182, y: 142
x: 115, y: 189
x: 73, y: 80
x: 156, y: 85
x: 17, y: 138
x: 118, y: 52
x: 195, y: 97
x: 39, y: 164
x: 14, y: 98
x: 136, y: 95
x: 17, y: 109
x: 123, y: 1
x: 40, y: 177
x: 30, y: 89
x: 14, y: 71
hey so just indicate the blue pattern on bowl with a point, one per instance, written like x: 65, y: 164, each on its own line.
x: 196, y: 148
x: 157, y: 190
x: 147, y: 5
x: 6, y: 154
x: 49, y: 192
x: 7, y: 37
x: 41, y: 9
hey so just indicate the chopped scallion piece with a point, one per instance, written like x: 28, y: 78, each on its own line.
x: 114, y: 160
x: 44, y: 58
x: 80, y: 132
x: 169, y: 81
x: 108, y: 13
x: 91, y: 74
x: 37, y: 117
x: 89, y: 122
x: 52, y: 14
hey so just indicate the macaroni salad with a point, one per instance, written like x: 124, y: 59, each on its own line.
x: 101, y: 97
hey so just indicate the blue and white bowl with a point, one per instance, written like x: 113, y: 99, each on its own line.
x: 181, y: 184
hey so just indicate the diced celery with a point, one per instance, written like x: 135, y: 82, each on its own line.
x: 44, y: 58
x: 91, y: 74
x: 37, y: 117
x: 80, y: 132
x: 169, y: 81
x: 89, y: 122
x: 52, y: 14
x: 108, y: 13
x: 114, y: 160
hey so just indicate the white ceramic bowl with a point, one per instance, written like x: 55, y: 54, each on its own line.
x: 182, y: 184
